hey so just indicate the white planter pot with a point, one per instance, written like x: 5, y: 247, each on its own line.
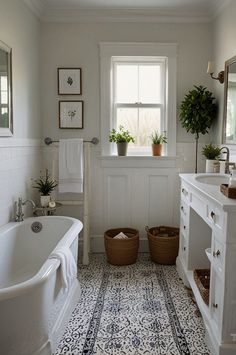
x: 44, y: 200
x: 210, y: 165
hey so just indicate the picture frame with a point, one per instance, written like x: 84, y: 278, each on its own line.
x: 71, y: 114
x: 69, y: 81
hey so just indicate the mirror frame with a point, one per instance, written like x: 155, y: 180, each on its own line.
x: 8, y: 131
x: 226, y: 75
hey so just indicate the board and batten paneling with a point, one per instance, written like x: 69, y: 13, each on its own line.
x: 138, y: 197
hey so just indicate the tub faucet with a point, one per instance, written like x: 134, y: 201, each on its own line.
x: 19, y: 211
x: 226, y: 159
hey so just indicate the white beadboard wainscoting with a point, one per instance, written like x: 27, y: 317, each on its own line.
x: 20, y: 160
x: 128, y: 191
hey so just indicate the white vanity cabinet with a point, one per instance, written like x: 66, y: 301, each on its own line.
x: 208, y: 220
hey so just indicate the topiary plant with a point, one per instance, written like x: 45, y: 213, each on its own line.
x: 197, y: 113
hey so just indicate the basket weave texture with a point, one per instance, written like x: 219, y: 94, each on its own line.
x: 202, y: 279
x: 163, y: 244
x: 121, y: 251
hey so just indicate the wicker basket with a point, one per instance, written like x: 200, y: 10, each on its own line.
x: 202, y: 279
x: 163, y: 244
x: 121, y: 251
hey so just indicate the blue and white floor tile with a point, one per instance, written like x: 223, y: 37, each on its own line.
x: 141, y: 309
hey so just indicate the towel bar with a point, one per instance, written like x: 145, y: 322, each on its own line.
x: 49, y: 141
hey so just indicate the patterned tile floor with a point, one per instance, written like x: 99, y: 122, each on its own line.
x: 139, y: 309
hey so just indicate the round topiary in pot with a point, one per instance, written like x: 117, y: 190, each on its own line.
x: 197, y: 113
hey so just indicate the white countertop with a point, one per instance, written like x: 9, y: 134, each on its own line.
x: 210, y: 191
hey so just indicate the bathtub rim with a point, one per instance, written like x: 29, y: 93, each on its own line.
x: 50, y: 265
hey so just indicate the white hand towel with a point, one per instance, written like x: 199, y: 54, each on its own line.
x: 68, y: 266
x: 71, y: 165
x: 121, y: 235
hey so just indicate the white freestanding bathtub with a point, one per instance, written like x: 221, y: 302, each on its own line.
x: 34, y: 308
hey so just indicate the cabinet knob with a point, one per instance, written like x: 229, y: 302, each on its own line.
x: 184, y: 248
x: 214, y: 305
x: 213, y: 214
x: 184, y: 227
x: 182, y: 208
x: 216, y: 253
x: 185, y: 192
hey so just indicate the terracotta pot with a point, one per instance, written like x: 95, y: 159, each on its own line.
x: 122, y: 148
x: 156, y: 149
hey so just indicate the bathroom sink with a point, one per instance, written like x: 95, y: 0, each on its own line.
x: 212, y: 179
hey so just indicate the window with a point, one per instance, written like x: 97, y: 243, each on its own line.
x: 3, y: 101
x: 139, y: 98
x: 138, y: 91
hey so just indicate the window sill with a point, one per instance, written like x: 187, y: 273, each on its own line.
x: 138, y: 161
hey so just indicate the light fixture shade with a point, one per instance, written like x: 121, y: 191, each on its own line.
x: 210, y: 67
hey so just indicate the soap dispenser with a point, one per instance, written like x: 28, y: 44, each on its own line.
x: 232, y: 179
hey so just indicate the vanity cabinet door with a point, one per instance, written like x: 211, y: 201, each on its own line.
x: 216, y: 297
x: 217, y: 253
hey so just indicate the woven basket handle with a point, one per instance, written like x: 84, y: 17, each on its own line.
x: 147, y: 229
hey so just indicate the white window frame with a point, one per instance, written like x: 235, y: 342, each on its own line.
x: 142, y: 61
x: 110, y: 50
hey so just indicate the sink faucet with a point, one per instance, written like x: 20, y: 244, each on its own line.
x: 19, y: 212
x: 226, y: 159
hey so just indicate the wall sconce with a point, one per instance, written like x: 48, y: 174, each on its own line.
x: 210, y: 70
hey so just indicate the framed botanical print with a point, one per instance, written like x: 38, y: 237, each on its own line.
x: 71, y: 114
x: 69, y: 81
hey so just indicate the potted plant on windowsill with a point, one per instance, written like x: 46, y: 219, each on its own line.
x: 211, y: 152
x: 121, y: 137
x: 45, y: 185
x: 157, y: 141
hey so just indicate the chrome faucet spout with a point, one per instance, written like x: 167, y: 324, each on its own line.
x: 226, y: 159
x: 31, y: 202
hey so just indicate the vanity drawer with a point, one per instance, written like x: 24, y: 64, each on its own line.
x: 184, y: 212
x: 215, y: 216
x: 183, y: 247
x: 185, y: 194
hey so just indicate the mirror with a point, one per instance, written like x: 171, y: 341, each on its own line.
x: 229, y: 131
x: 6, y: 121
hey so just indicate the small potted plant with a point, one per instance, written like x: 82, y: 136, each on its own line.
x: 211, y: 152
x: 157, y: 141
x: 45, y: 185
x: 121, y: 137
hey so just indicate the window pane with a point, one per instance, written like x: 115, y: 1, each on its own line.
x: 4, y: 97
x: 141, y: 122
x: 149, y: 84
x: 127, y: 84
x: 4, y: 117
x: 4, y: 83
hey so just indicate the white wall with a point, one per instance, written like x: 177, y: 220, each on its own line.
x: 20, y: 156
x: 77, y: 45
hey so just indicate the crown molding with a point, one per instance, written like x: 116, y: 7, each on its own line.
x: 73, y: 14
x: 38, y: 7
x: 219, y: 7
x: 69, y: 15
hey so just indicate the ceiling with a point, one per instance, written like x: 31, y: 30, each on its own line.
x: 64, y: 10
